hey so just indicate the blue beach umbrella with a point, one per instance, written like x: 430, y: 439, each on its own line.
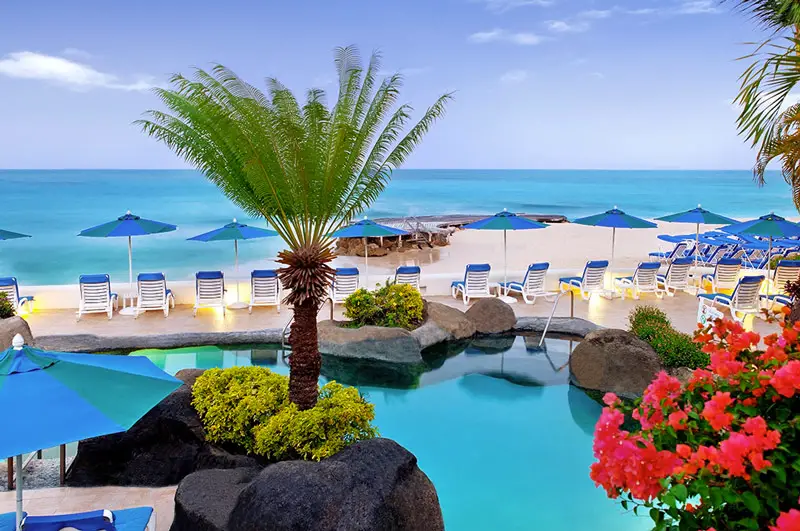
x: 234, y: 231
x: 128, y: 226
x: 697, y: 216
x: 505, y: 221
x: 616, y: 219
x: 770, y: 226
x: 367, y: 229
x: 8, y: 235
x: 60, y: 398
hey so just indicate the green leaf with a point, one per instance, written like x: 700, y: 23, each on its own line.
x: 656, y: 515
x: 680, y: 492
x: 668, y: 499
x: 751, y: 502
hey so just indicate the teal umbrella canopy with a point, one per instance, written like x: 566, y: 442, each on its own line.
x: 505, y: 221
x: 768, y: 226
x: 617, y: 219
x: 9, y: 235
x: 367, y: 229
x: 128, y: 225
x: 698, y: 215
x: 234, y: 231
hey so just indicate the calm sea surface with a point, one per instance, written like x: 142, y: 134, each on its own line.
x: 54, y: 205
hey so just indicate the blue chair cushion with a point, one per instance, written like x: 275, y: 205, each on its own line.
x: 113, y: 295
x: 8, y: 521
x: 346, y: 271
x: 135, y: 519
x: 478, y: 267
x: 407, y: 270
x: 683, y: 261
x: 719, y: 296
x: 649, y: 265
x: 150, y: 276
x: 8, y: 281
x: 597, y: 263
x: 782, y: 263
x: 264, y: 273
x: 786, y: 300
x: 659, y: 255
x: 625, y: 278
x: 169, y: 292
x: 457, y: 284
x: 541, y: 266
x: 93, y: 279
x: 26, y: 298
x: 517, y: 286
x: 208, y: 275
x: 569, y: 280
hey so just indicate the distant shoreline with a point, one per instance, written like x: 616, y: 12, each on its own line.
x: 457, y: 220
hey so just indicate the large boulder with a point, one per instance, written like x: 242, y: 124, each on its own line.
x: 491, y: 316
x: 572, y: 326
x: 615, y: 361
x: 205, y: 499
x: 373, y: 485
x: 377, y: 343
x: 163, y: 447
x: 12, y: 326
x: 443, y: 323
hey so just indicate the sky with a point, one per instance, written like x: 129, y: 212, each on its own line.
x: 576, y: 84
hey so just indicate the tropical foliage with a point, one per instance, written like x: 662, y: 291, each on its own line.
x: 393, y: 305
x: 674, y: 348
x: 6, y: 308
x: 249, y: 408
x: 722, y: 452
x: 305, y: 168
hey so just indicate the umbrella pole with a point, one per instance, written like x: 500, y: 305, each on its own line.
x: 130, y: 262
x: 238, y: 305
x: 366, y: 263
x: 696, y: 244
x: 18, y: 485
x: 505, y: 257
x: 613, y: 247
x: 129, y: 310
x: 769, y: 264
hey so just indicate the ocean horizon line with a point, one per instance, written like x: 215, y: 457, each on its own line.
x: 425, y: 169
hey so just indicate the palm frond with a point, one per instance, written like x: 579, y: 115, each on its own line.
x: 772, y: 14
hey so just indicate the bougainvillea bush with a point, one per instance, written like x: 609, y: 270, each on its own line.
x: 721, y: 452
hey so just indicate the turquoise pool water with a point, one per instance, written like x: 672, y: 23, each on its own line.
x: 494, y: 424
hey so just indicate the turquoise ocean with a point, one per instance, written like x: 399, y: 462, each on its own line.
x: 54, y: 205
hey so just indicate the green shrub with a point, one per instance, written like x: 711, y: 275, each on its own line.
x: 774, y: 261
x: 393, y: 305
x: 340, y: 418
x: 248, y: 407
x: 232, y: 402
x: 6, y: 308
x: 675, y: 349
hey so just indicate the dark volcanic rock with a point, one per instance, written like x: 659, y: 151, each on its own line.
x: 204, y: 500
x: 163, y: 447
x: 491, y: 316
x: 370, y: 486
x: 614, y: 361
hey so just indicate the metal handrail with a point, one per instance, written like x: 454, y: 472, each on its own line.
x: 553, y: 312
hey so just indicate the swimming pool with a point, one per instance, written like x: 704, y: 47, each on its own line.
x: 494, y: 424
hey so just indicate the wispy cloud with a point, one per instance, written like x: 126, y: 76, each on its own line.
x: 697, y: 7
x: 64, y: 72
x: 596, y: 13
x: 514, y: 76
x: 597, y: 75
x: 501, y: 6
x: 562, y: 26
x: 76, y: 52
x: 501, y: 35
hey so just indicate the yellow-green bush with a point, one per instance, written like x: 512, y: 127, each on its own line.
x: 340, y: 418
x: 393, y: 305
x: 232, y: 402
x: 249, y: 407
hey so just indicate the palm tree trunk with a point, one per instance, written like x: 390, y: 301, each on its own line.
x: 305, y: 359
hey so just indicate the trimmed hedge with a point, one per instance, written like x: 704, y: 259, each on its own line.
x: 249, y: 408
x: 674, y: 348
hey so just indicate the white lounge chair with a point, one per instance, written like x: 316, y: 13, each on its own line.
x: 590, y: 282
x: 153, y: 294
x: 725, y: 275
x: 96, y: 295
x: 475, y: 284
x: 9, y: 286
x: 532, y: 286
x: 643, y: 280
x: 265, y: 289
x: 679, y: 251
x: 209, y: 291
x: 345, y: 283
x: 408, y: 275
x: 744, y: 300
x: 677, y: 276
x: 786, y: 271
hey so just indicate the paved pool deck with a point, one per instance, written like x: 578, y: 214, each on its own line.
x: 682, y: 309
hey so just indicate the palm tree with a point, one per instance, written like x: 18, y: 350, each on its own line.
x: 784, y: 145
x: 307, y: 169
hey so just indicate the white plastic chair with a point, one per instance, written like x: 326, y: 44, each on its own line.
x: 590, y: 282
x: 10, y: 287
x: 725, y: 275
x: 265, y: 289
x: 345, y: 283
x: 153, y: 294
x: 744, y: 300
x: 408, y: 275
x: 209, y: 291
x: 96, y: 295
x: 677, y: 276
x: 643, y: 280
x: 532, y: 286
x: 475, y: 284
x: 679, y: 251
